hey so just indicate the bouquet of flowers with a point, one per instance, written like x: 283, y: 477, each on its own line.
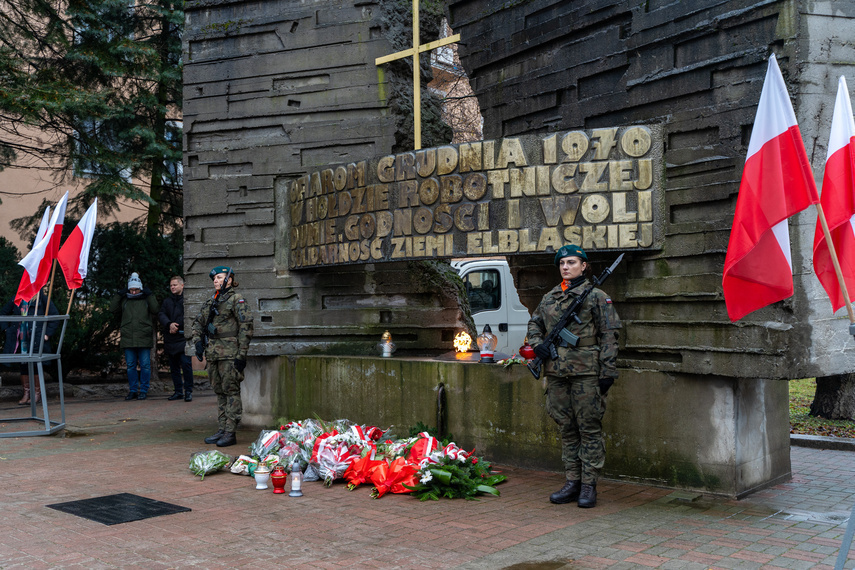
x: 391, y: 449
x: 397, y: 477
x: 269, y: 461
x: 298, y: 442
x: 267, y: 443
x: 360, y: 470
x: 302, y: 432
x: 515, y: 359
x: 205, y: 462
x: 332, y: 462
x: 422, y: 447
x: 334, y: 452
x: 243, y: 465
x: 374, y: 433
x: 422, y: 464
x: 454, y: 473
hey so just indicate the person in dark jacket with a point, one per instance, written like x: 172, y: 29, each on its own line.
x: 17, y: 336
x: 171, y: 318
x: 137, y: 306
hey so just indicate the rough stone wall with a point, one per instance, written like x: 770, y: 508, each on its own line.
x: 696, y: 67
x: 272, y: 90
x: 827, y: 52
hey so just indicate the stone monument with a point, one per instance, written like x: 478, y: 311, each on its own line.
x: 298, y: 175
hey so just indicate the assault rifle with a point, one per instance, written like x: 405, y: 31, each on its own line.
x: 560, y: 330
x: 210, y: 330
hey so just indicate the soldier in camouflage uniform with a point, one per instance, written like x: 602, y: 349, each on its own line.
x: 228, y: 335
x: 578, y: 381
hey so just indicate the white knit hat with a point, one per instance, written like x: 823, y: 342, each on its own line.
x: 134, y: 282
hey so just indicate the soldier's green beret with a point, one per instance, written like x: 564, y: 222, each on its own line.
x: 570, y: 251
x: 221, y: 269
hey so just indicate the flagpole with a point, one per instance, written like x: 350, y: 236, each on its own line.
x: 70, y: 299
x: 50, y: 287
x: 833, y: 253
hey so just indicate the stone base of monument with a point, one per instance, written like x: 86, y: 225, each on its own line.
x: 704, y: 433
x: 468, y: 356
x: 724, y: 435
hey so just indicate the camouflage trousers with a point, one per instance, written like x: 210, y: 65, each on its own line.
x: 225, y: 379
x: 576, y: 405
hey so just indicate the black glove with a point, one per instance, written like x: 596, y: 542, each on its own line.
x: 605, y: 384
x: 542, y: 351
x: 200, y: 350
x: 240, y: 364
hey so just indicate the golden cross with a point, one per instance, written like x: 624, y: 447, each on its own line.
x: 417, y: 79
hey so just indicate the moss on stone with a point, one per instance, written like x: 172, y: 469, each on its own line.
x: 438, y: 275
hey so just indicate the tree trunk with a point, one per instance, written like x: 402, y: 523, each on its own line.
x: 834, y: 398
x: 155, y: 209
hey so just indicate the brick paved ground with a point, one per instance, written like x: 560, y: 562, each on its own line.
x: 112, y: 446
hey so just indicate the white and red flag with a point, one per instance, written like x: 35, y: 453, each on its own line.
x: 838, y: 203
x: 73, y: 257
x: 43, y: 226
x: 777, y: 182
x: 55, y: 227
x: 37, y: 263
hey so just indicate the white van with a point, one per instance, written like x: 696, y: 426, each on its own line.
x: 494, y: 300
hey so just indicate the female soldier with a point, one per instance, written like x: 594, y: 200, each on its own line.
x: 577, y: 381
x: 226, y: 322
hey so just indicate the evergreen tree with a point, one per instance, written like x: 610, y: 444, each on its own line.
x: 117, y: 251
x: 92, y: 89
x: 10, y: 271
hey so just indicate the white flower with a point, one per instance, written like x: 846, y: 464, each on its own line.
x: 426, y: 477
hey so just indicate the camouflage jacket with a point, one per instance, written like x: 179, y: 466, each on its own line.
x: 233, y: 327
x: 598, y: 346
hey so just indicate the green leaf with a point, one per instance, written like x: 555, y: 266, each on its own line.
x: 441, y: 475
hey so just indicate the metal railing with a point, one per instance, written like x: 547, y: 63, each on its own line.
x: 34, y: 356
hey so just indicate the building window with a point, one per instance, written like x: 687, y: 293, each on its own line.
x: 98, y: 149
x: 173, y: 170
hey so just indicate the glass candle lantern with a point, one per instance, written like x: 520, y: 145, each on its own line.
x: 386, y: 346
x: 487, y: 342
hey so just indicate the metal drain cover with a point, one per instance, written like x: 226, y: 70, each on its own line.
x: 118, y: 509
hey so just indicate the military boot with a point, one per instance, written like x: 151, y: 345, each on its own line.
x: 568, y: 493
x: 216, y: 437
x: 588, y: 496
x: 227, y: 439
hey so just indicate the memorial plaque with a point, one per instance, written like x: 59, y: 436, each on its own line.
x: 600, y: 189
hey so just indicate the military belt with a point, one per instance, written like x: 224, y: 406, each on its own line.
x: 224, y: 335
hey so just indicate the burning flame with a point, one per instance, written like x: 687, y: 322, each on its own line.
x: 462, y: 342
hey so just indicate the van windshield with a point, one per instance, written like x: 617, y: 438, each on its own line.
x: 484, y: 290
